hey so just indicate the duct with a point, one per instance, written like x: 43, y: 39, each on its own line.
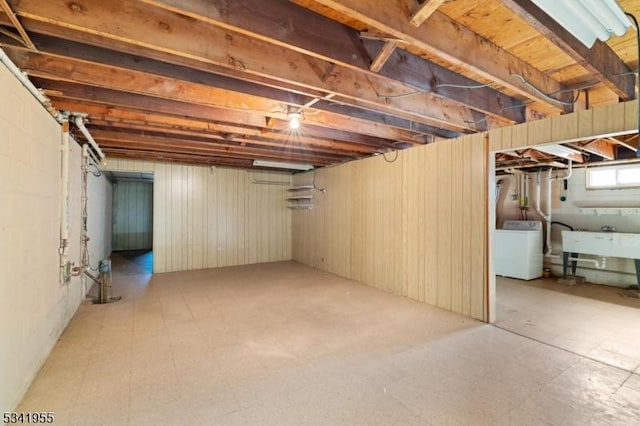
x: 79, y: 121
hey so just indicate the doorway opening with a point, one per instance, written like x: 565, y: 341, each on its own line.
x: 132, y: 235
x: 537, y: 205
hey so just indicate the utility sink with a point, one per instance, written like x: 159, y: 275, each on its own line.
x: 613, y: 244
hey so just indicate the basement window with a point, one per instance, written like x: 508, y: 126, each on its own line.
x: 613, y: 177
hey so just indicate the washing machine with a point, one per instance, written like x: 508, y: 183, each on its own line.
x: 519, y: 249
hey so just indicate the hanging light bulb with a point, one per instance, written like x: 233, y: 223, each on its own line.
x: 294, y: 120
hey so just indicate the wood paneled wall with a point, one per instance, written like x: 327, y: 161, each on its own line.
x: 414, y: 227
x: 132, y: 215
x: 610, y: 120
x: 206, y: 218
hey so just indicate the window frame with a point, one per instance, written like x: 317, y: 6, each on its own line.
x: 589, y: 186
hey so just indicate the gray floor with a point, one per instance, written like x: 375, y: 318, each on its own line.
x: 285, y: 344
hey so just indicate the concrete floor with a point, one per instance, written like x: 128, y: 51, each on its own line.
x: 283, y: 344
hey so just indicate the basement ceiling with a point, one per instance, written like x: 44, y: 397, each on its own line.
x: 213, y: 81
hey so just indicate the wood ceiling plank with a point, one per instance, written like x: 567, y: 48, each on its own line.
x: 600, y: 60
x: 164, y: 31
x: 423, y: 11
x: 442, y: 37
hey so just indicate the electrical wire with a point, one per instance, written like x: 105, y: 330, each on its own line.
x: 384, y: 155
x: 313, y: 182
x: 544, y: 95
x: 462, y: 86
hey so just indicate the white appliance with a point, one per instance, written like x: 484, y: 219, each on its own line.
x: 519, y: 251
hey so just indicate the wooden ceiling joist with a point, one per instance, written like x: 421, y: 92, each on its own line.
x: 237, y: 52
x: 4, y: 6
x: 601, y: 147
x: 600, y: 59
x: 427, y: 76
x: 213, y: 81
x: 472, y: 54
x: 424, y: 10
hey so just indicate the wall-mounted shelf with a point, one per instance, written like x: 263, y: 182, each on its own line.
x: 300, y: 188
x: 300, y: 197
x: 300, y: 207
x: 616, y: 211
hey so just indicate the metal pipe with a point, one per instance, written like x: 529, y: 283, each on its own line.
x: 22, y: 77
x: 80, y: 124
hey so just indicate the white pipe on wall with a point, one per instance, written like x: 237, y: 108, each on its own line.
x: 600, y: 264
x: 64, y: 205
x: 548, y: 216
x: 80, y: 124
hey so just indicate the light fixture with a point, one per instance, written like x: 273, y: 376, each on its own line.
x: 282, y: 165
x: 587, y: 20
x: 294, y: 118
x: 557, y: 150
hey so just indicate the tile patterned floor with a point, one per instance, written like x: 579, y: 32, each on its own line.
x: 283, y: 344
x: 599, y: 322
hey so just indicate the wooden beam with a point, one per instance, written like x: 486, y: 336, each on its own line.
x: 178, y: 158
x: 602, y: 148
x: 126, y: 61
x: 277, y: 22
x: 320, y: 124
x: 384, y: 54
x: 140, y: 26
x: 424, y: 10
x: 427, y: 76
x: 444, y: 38
x: 631, y: 142
x: 397, y: 122
x: 292, y: 142
x: 535, y: 155
x: 600, y: 60
x: 169, y: 143
x: 16, y: 23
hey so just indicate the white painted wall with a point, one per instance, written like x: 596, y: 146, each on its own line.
x: 619, y: 272
x: 34, y: 307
